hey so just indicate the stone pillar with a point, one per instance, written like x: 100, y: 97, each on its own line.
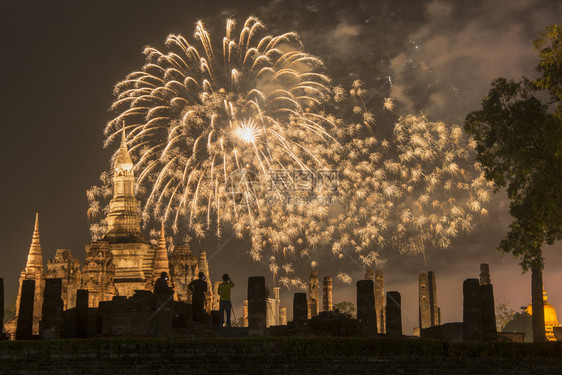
x: 485, y: 274
x: 488, y: 313
x: 299, y: 308
x: 313, y: 302
x: 428, y: 309
x: 2, y: 308
x: 245, y: 314
x: 203, y: 266
x: 282, y: 316
x: 435, y: 313
x: 369, y: 275
x: 216, y: 297
x: 24, y: 330
x: 379, y: 300
x: 327, y: 304
x: 256, y: 306
x: 472, y: 317
x: 393, y: 314
x: 537, y: 300
x: 51, y: 324
x: 82, y: 313
x: 366, y: 313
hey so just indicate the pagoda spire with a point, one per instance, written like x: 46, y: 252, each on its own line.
x: 35, y: 256
x: 161, y: 262
x: 123, y: 219
x: 162, y: 240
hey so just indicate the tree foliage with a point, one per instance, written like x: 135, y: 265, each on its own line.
x: 346, y: 307
x: 504, y: 313
x: 519, y: 144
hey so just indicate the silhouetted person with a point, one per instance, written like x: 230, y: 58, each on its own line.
x: 225, y: 305
x: 198, y: 288
x: 161, y: 286
x: 161, y: 289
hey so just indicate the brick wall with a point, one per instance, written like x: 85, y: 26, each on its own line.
x: 275, y: 356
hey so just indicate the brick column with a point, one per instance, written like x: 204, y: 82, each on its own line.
x: 472, y: 318
x: 282, y: 316
x: 393, y: 314
x: 51, y: 312
x: 488, y: 313
x: 313, y: 304
x: 485, y: 274
x: 366, y: 313
x: 256, y: 306
x: 2, y: 336
x: 379, y: 300
x: 245, y: 314
x: 82, y: 296
x: 428, y: 309
x: 24, y: 330
x: 327, y: 304
x: 299, y: 308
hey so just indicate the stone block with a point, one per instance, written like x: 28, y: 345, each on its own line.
x: 327, y: 304
x: 379, y: 300
x: 366, y: 313
x: 256, y: 306
x: 451, y: 332
x: 51, y: 323
x: 24, y: 330
x: 299, y: 308
x: 81, y: 312
x: 484, y: 274
x: 472, y: 316
x: 2, y: 308
x: 488, y: 313
x: 393, y: 314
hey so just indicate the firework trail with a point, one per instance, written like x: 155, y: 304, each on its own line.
x: 208, y: 125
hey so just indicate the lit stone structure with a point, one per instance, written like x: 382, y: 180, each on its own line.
x: 98, y: 273
x: 34, y: 270
x: 313, y: 290
x: 428, y: 308
x: 133, y: 256
x: 203, y: 266
x: 378, y: 280
x: 117, y: 265
x: 272, y: 314
x: 183, y: 268
x: 67, y: 268
x: 380, y: 301
x: 327, y: 304
x: 550, y: 317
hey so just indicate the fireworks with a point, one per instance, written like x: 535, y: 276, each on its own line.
x: 222, y: 137
x: 196, y: 116
x: 418, y: 191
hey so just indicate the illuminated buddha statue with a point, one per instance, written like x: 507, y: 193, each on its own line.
x: 550, y: 318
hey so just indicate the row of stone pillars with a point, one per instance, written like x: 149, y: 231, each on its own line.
x: 367, y: 311
x: 50, y: 326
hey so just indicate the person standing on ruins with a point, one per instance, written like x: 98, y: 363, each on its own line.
x: 224, y: 303
x: 161, y: 287
x: 198, y: 288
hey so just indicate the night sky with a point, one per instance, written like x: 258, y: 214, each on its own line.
x: 60, y: 61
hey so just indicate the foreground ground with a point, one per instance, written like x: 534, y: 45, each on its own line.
x: 276, y: 356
